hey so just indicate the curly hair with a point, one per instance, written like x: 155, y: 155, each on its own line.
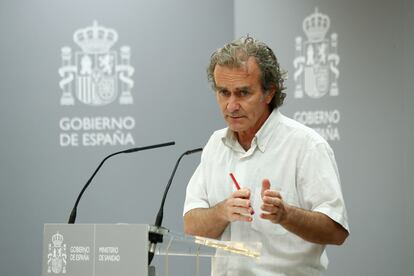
x: 236, y: 53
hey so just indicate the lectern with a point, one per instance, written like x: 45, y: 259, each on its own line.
x: 122, y: 249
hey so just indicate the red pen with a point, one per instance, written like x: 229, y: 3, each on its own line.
x: 238, y: 187
x: 235, y: 181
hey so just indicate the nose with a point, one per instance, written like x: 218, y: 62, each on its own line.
x: 232, y: 104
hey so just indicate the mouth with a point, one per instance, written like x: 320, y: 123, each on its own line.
x: 235, y: 117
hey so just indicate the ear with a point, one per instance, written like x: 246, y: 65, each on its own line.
x: 270, y: 94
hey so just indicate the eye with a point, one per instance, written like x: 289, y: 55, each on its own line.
x: 244, y: 93
x: 223, y: 92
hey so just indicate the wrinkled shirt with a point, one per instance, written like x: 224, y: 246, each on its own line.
x: 300, y: 164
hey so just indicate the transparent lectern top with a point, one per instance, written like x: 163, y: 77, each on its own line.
x: 183, y: 245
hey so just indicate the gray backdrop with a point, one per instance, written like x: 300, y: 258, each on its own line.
x: 374, y: 152
x: 170, y: 43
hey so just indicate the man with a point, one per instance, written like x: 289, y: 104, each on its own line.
x: 290, y: 198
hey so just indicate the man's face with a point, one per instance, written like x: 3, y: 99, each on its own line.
x: 241, y: 98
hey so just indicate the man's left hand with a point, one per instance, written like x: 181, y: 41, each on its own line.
x: 275, y: 209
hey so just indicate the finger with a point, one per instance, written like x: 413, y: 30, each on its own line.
x: 240, y: 202
x: 241, y: 217
x: 241, y: 211
x: 270, y: 208
x: 242, y: 193
x: 272, y: 200
x: 265, y: 186
x: 272, y: 193
x: 271, y: 217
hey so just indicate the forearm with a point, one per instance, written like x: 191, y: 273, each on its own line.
x: 314, y: 226
x: 206, y: 222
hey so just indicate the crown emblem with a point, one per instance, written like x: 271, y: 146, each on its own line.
x: 57, y: 240
x: 317, y: 58
x: 316, y: 26
x: 95, y: 39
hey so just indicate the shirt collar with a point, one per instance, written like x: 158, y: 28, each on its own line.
x: 261, y: 138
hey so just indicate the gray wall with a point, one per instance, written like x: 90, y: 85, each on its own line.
x: 170, y: 44
x: 374, y: 152
x: 408, y: 130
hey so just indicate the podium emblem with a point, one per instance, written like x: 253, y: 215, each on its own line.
x: 56, y: 259
x: 98, y: 72
x: 316, y: 62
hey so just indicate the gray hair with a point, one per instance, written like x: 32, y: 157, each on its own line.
x: 236, y: 53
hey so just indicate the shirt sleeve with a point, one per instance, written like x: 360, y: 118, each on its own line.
x: 319, y: 186
x: 196, y: 193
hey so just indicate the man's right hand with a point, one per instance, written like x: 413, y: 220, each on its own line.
x: 237, y: 207
x: 211, y: 222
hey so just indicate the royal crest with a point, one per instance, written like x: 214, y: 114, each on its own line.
x: 98, y: 73
x: 56, y: 259
x: 316, y: 61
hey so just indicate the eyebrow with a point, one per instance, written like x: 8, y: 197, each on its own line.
x: 243, y: 88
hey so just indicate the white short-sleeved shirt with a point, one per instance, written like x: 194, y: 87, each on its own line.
x: 300, y: 164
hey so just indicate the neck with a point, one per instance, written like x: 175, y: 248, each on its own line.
x: 245, y: 144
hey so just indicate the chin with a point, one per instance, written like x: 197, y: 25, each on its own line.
x: 235, y: 125
x: 235, y: 128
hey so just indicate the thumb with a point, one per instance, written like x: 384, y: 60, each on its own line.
x: 265, y: 186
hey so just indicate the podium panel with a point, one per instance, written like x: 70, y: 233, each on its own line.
x: 122, y: 249
x: 95, y: 249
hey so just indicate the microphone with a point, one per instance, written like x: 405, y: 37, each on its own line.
x: 72, y: 216
x: 156, y: 233
x: 160, y: 214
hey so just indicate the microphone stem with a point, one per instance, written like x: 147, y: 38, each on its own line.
x: 160, y: 214
x: 156, y: 236
x: 72, y: 216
